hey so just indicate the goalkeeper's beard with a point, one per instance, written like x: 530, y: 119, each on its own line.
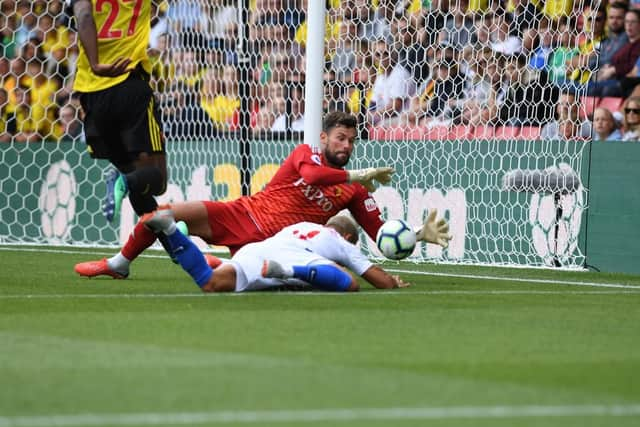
x: 334, y: 160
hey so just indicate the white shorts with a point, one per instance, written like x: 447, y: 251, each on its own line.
x: 248, y: 265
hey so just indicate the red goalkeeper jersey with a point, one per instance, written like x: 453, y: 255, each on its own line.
x: 306, y: 189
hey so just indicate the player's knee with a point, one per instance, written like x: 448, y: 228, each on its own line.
x: 147, y: 180
x: 155, y: 181
x: 142, y: 204
x: 353, y: 286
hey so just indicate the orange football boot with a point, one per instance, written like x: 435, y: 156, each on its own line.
x: 97, y: 268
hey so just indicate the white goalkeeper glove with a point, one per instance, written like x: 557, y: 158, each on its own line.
x: 367, y: 176
x: 434, y: 231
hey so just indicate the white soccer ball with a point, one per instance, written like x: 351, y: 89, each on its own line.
x: 396, y: 239
x: 57, y: 202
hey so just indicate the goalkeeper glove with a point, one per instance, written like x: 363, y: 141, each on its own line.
x: 434, y: 231
x: 367, y: 176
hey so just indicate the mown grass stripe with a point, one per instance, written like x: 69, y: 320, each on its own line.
x: 316, y: 415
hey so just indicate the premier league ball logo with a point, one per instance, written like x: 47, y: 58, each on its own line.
x: 57, y: 201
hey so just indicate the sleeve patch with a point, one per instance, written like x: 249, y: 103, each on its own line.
x: 370, y: 205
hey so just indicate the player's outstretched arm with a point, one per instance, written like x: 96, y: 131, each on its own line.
x: 367, y: 176
x: 433, y: 231
x: 381, y: 279
x: 88, y: 35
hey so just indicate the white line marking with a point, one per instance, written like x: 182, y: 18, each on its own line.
x: 393, y: 270
x: 72, y: 252
x: 518, y: 279
x: 311, y: 294
x: 315, y: 415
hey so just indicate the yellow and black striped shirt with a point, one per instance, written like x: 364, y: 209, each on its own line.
x: 123, y: 28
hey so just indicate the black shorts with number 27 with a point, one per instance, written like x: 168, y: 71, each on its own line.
x: 122, y: 121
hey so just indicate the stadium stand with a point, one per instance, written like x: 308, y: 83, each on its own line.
x: 611, y: 103
x: 396, y: 63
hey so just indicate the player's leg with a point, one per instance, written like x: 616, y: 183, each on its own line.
x: 197, y: 218
x: 103, y: 140
x: 217, y: 223
x: 145, y: 173
x: 116, y: 192
x: 143, y: 179
x: 264, y: 262
x: 223, y: 280
x: 194, y: 214
x: 328, y: 277
x: 142, y: 163
x: 147, y: 178
x: 247, y: 264
x: 182, y: 248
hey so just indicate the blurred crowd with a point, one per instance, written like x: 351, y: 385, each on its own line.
x: 37, y: 52
x: 414, y: 63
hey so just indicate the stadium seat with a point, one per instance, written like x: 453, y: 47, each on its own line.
x: 396, y: 133
x: 587, y: 105
x: 436, y: 133
x: 529, y: 132
x: 507, y: 132
x: 611, y: 103
x: 484, y: 132
x: 415, y: 133
x: 378, y: 133
x: 461, y: 132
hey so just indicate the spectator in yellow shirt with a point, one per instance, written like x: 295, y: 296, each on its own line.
x: 5, y: 134
x: 219, y: 96
x: 21, y: 121
x: 55, y: 42
x: 42, y: 96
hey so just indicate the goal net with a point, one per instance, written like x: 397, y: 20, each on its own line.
x: 480, y: 105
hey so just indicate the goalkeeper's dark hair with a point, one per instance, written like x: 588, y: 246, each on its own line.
x: 339, y: 118
x: 345, y: 226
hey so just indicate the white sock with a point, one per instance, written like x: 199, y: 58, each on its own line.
x: 171, y: 228
x: 119, y: 263
x: 287, y: 270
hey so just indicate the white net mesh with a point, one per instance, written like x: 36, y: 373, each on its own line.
x: 458, y: 93
x: 36, y: 65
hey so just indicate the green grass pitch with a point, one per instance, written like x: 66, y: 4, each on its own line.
x: 463, y: 346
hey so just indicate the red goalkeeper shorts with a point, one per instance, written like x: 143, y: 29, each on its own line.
x: 231, y: 225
